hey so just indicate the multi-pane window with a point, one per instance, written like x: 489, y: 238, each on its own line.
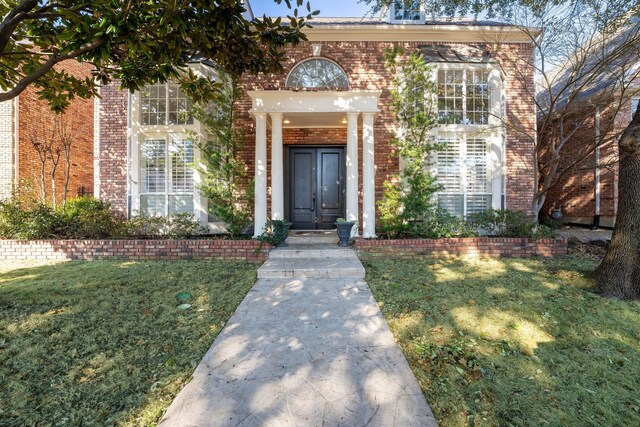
x: 164, y: 104
x: 406, y: 10
x: 166, y: 175
x: 462, y: 170
x: 317, y: 73
x: 463, y: 97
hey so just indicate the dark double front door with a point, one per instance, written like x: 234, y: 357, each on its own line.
x: 316, y: 187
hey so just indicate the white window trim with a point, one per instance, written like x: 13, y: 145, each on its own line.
x: 496, y: 113
x: 299, y: 63
x: 138, y: 133
x: 494, y: 131
x: 167, y: 137
x: 494, y: 164
x: 392, y: 14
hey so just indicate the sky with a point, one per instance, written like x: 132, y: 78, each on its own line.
x: 330, y: 8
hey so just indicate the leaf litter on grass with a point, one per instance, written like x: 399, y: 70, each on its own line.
x: 535, y: 345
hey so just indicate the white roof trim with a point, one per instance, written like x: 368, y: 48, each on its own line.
x: 418, y: 33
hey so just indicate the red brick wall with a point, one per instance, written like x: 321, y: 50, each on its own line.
x: 516, y: 60
x: 471, y: 246
x: 574, y: 191
x: 36, y: 121
x: 364, y: 64
x: 249, y: 250
x: 113, y: 146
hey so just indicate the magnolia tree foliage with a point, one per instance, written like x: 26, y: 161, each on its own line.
x: 137, y: 42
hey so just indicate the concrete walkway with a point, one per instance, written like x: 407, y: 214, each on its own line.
x: 308, y: 346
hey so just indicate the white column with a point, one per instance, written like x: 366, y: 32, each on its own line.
x: 495, y: 169
x: 260, y: 206
x: 352, y: 167
x: 277, y: 171
x: 368, y: 178
x: 496, y: 122
x: 200, y: 204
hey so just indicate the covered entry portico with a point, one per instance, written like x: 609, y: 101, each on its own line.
x: 320, y: 109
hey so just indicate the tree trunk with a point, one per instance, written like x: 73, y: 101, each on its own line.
x: 67, y: 174
x: 43, y: 181
x: 618, y: 275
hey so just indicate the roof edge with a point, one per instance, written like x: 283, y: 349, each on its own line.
x: 424, y: 33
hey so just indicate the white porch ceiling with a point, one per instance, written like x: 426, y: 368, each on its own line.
x: 287, y: 101
x: 315, y: 120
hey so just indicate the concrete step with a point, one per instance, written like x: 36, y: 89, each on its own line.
x: 311, y: 268
x: 313, y: 239
x: 310, y: 250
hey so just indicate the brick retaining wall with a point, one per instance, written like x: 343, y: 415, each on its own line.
x: 470, y: 246
x: 249, y: 250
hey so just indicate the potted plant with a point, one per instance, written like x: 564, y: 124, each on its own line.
x: 344, y: 228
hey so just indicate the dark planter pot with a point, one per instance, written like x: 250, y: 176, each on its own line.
x: 344, y: 232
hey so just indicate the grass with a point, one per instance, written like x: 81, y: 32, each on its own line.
x: 103, y: 343
x: 519, y: 342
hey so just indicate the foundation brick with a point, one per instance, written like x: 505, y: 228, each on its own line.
x: 133, y: 250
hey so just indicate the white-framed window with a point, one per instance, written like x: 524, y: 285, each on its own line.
x: 166, y: 174
x: 470, y: 107
x: 463, y: 170
x: 317, y: 73
x: 463, y: 96
x: 164, y: 104
x: 407, y: 11
x: 164, y: 167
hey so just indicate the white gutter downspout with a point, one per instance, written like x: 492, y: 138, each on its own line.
x: 596, y: 219
x: 129, y: 164
x: 96, y: 147
x: 16, y: 139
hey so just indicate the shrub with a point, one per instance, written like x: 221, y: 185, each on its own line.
x: 11, y: 219
x: 184, y: 225
x: 437, y: 223
x: 141, y: 227
x: 507, y: 223
x: 441, y: 224
x: 276, y: 232
x: 37, y: 222
x: 90, y: 218
x: 174, y: 226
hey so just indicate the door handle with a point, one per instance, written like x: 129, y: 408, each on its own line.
x: 313, y: 203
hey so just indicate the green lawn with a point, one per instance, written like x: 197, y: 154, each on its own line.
x: 519, y: 342
x: 103, y: 343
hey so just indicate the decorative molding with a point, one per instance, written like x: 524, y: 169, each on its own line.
x: 289, y: 101
x: 316, y: 49
x: 420, y: 33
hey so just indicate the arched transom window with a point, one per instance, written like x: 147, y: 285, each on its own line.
x: 317, y: 73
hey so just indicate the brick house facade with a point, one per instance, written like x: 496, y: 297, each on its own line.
x: 587, y: 194
x: 485, y: 167
x: 26, y: 119
x: 586, y: 188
